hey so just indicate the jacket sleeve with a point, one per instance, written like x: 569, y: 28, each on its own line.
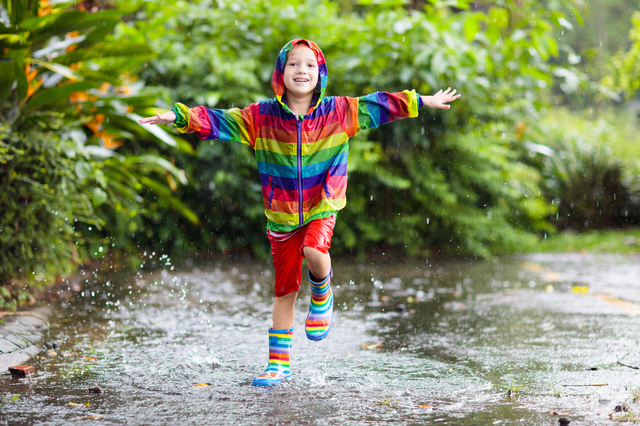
x: 227, y: 125
x: 376, y: 109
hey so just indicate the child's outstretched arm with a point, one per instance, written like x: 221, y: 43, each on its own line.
x: 164, y: 118
x: 440, y: 99
x: 376, y: 109
x: 227, y: 125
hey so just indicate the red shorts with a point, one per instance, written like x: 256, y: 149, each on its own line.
x: 288, y: 254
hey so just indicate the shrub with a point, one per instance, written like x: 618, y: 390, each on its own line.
x: 43, y: 195
x: 584, y: 180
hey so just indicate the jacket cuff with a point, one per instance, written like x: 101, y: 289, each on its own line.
x: 181, y: 122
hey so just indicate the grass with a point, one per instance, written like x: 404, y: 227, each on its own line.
x: 10, y: 399
x: 388, y: 402
x: 628, y: 417
x: 605, y: 241
x: 556, y: 392
x: 635, y: 392
x: 618, y: 126
x: 512, y: 388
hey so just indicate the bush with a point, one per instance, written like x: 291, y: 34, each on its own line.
x: 68, y: 101
x: 43, y: 196
x: 589, y: 185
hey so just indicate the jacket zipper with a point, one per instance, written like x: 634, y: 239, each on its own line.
x: 299, y: 128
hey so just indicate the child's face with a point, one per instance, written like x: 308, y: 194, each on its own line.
x: 301, y: 71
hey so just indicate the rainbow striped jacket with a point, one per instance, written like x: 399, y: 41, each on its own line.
x: 302, y: 160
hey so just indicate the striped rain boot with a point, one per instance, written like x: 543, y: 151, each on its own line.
x: 320, y: 316
x: 279, y: 352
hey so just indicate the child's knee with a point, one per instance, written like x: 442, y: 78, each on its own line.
x: 287, y: 298
x: 314, y: 254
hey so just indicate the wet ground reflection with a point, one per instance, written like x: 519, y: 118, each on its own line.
x: 413, y: 343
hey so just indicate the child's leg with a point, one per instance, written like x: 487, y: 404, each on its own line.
x: 319, y: 263
x: 315, y: 247
x: 287, y: 261
x: 284, y: 310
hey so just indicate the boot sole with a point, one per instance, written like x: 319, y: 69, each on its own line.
x: 265, y: 382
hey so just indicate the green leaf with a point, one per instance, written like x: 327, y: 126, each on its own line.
x: 21, y: 77
x: 60, y: 92
x: 167, y: 197
x: 17, y: 9
x: 157, y: 163
x: 99, y: 197
x: 53, y: 23
x: 59, y: 69
x: 7, y: 77
x: 389, y: 179
x: 472, y: 26
x: 14, y: 41
x: 104, y: 50
x: 101, y: 153
x: 83, y: 170
x: 100, y: 32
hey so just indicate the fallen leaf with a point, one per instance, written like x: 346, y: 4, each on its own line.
x: 628, y: 307
x: 532, y: 266
x: 551, y: 276
x: 549, y: 288
x: 557, y: 413
x: 349, y: 354
x: 580, y: 289
x: 75, y: 404
x: 200, y: 385
x: 373, y: 346
x: 425, y: 405
x: 90, y: 358
x: 94, y: 417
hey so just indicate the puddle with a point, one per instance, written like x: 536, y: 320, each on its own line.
x: 411, y: 344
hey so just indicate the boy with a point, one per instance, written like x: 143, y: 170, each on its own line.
x: 300, y: 140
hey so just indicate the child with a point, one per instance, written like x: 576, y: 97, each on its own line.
x: 301, y: 145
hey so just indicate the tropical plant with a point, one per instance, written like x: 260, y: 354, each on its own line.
x: 67, y: 106
x: 586, y: 183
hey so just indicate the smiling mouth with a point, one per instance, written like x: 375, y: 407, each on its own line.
x: 301, y: 80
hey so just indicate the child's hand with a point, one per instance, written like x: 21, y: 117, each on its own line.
x: 164, y: 118
x: 440, y: 99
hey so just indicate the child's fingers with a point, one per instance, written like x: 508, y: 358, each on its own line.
x: 148, y: 120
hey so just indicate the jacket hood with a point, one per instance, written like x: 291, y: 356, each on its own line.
x: 277, y: 79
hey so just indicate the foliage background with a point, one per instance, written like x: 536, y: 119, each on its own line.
x: 490, y: 176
